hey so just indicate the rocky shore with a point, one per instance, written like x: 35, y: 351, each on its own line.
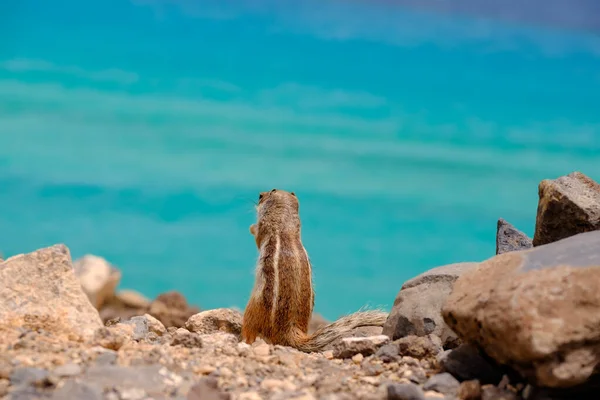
x: 523, y: 324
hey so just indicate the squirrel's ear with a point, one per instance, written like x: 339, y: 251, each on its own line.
x: 293, y: 194
x: 273, y: 190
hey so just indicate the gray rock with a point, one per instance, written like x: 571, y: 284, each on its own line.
x: 567, y: 206
x: 417, y: 307
x: 467, y: 363
x: 388, y: 353
x: 67, y: 370
x: 106, y: 358
x: 511, y: 303
x: 28, y: 376
x: 74, y: 389
x: 27, y: 393
x: 145, y: 377
x: 140, y: 327
x: 442, y: 383
x: 509, y: 238
x: 145, y: 325
x: 404, y: 391
x: 418, y: 376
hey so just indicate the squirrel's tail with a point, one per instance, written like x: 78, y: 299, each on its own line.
x: 328, y: 333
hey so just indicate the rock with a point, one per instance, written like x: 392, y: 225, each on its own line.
x: 361, y: 331
x: 417, y: 308
x: 107, y: 357
x: 467, y: 363
x: 469, y: 390
x: 442, y: 383
x: 124, y: 305
x: 172, y: 309
x: 39, y: 290
x: 133, y: 299
x: 78, y: 390
x: 419, y: 347
x: 145, y: 377
x: 388, y: 353
x: 98, y: 278
x: 28, y: 376
x: 154, y: 325
x: 143, y: 325
x: 114, y: 309
x: 217, y: 320
x: 262, y: 349
x: 67, y: 370
x: 363, y: 345
x: 509, y: 238
x: 567, y: 206
x: 537, y: 310
x: 588, y: 390
x: 114, y: 337
x: 207, y: 389
x: 405, y: 391
x: 185, y: 338
x: 491, y: 392
x: 415, y: 374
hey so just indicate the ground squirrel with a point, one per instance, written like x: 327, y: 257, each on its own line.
x: 282, y: 299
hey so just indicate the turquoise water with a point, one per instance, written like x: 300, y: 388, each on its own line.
x: 143, y: 131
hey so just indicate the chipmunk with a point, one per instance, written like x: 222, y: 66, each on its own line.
x: 282, y: 299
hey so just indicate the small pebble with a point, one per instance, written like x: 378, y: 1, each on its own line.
x: 262, y: 350
x: 357, y: 358
x: 403, y: 391
x: 442, y: 383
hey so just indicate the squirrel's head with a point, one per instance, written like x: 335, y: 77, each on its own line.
x: 278, y: 207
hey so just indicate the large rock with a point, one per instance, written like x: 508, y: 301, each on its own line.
x: 124, y: 305
x: 417, y: 308
x: 98, y: 278
x: 171, y: 308
x: 39, y: 290
x: 509, y: 238
x: 217, y: 320
x: 536, y: 310
x: 567, y: 206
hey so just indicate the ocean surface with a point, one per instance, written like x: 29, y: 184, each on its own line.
x: 142, y: 131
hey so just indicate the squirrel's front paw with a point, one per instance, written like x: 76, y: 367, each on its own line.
x: 253, y: 229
